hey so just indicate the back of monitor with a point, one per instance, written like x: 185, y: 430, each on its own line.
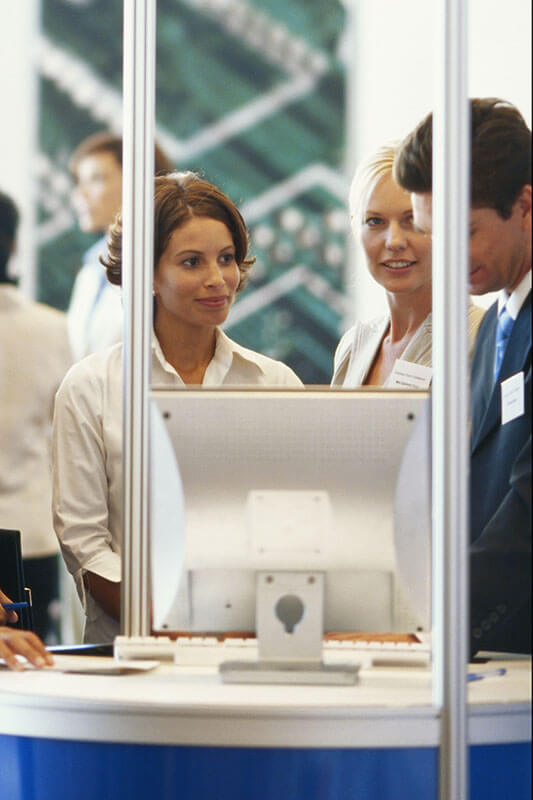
x: 277, y: 480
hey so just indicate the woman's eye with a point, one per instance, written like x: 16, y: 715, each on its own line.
x: 192, y: 261
x: 373, y: 221
x: 228, y: 258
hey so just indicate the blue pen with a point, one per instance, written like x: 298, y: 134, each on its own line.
x: 490, y: 673
x: 14, y: 606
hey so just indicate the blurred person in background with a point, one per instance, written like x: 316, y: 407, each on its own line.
x: 95, y: 309
x: 34, y: 356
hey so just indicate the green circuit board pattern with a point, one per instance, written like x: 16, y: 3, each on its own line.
x: 250, y: 94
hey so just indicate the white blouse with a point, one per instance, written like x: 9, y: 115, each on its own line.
x: 359, y: 346
x: 87, y: 455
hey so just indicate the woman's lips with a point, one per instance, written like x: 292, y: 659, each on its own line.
x: 398, y: 265
x: 213, y: 302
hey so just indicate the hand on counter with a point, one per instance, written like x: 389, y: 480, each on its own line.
x: 15, y: 642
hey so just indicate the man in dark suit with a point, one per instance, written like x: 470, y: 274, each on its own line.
x: 500, y: 260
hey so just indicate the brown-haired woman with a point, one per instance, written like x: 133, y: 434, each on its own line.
x: 200, y: 263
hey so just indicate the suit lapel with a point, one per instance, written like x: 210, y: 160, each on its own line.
x: 516, y: 354
x: 482, y: 372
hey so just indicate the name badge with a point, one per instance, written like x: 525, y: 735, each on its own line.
x: 512, y: 390
x: 406, y: 375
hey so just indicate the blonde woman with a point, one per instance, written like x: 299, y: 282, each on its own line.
x: 379, y: 353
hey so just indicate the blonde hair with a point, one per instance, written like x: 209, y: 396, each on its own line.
x: 370, y: 170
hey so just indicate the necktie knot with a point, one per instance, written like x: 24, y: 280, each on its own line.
x: 503, y: 331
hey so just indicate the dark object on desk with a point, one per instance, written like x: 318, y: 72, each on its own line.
x: 12, y: 577
x: 104, y: 649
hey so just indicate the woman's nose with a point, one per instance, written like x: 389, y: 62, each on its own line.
x: 214, y: 275
x: 395, y: 239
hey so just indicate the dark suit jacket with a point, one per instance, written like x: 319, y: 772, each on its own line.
x: 500, y: 495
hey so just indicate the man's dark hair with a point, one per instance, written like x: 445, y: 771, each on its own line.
x: 106, y: 142
x: 500, y: 159
x: 9, y: 220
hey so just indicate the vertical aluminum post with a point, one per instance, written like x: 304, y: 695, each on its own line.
x: 451, y: 180
x: 137, y: 246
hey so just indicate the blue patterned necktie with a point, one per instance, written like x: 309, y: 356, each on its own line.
x: 503, y: 331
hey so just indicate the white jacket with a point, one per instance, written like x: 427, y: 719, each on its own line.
x: 34, y: 357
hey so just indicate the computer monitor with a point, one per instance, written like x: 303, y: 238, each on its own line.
x: 244, y: 481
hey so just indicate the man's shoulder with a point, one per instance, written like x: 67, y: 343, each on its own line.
x: 92, y: 255
x: 49, y: 314
x: 89, y: 273
x: 485, y: 334
x: 38, y: 319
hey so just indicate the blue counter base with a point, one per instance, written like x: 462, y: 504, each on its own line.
x: 48, y: 769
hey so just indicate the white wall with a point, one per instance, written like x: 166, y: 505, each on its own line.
x: 18, y: 130
x: 392, y: 69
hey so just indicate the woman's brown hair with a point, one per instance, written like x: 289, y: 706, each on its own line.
x: 179, y: 196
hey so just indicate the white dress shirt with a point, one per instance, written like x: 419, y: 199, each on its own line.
x: 87, y: 440
x: 514, y: 302
x: 359, y: 347
x: 95, y: 310
x: 34, y: 357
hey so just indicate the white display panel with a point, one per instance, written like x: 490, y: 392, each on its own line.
x: 279, y: 480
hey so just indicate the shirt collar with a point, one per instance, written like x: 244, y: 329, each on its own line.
x: 514, y: 302
x: 92, y: 255
x: 160, y: 356
x: 226, y: 351
x: 229, y: 350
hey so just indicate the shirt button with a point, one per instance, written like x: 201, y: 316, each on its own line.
x: 501, y: 609
x: 494, y: 617
x: 477, y: 633
x: 485, y: 625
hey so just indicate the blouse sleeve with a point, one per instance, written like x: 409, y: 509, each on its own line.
x: 80, y: 485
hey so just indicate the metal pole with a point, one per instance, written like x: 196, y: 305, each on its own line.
x: 451, y: 174
x: 137, y: 250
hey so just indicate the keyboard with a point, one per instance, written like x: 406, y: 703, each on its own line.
x: 161, y: 648
x: 202, y: 651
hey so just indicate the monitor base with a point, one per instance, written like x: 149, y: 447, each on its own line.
x: 286, y: 673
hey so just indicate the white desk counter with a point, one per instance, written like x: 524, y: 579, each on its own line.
x: 173, y: 708
x: 178, y: 705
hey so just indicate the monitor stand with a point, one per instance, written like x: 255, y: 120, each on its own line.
x: 289, y: 625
